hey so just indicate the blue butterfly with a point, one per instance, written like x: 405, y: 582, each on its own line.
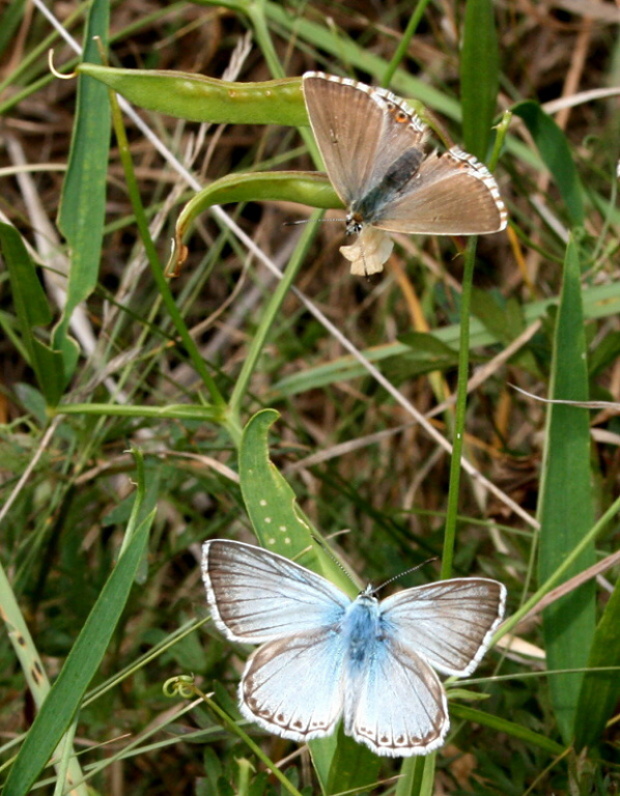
x: 325, y: 657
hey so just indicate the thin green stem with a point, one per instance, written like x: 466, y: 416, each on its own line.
x: 151, y: 253
x: 256, y: 11
x: 268, y: 319
x: 401, y: 50
x: 234, y: 727
x: 139, y: 499
x: 460, y: 408
x: 171, y: 412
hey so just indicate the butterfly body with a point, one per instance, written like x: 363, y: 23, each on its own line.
x: 324, y: 657
x: 372, y: 144
x: 371, y: 208
x: 362, y: 629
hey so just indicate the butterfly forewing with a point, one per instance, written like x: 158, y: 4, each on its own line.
x: 449, y: 623
x: 293, y: 687
x: 360, y: 131
x: 397, y: 706
x: 451, y: 194
x: 256, y: 596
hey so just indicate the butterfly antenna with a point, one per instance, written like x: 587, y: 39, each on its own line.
x: 311, y: 221
x: 326, y: 549
x: 402, y: 574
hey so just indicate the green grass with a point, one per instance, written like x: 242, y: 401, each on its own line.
x: 138, y: 418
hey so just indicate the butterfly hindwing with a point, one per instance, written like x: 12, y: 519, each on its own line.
x: 451, y: 194
x: 293, y: 686
x: 397, y: 705
x: 257, y: 596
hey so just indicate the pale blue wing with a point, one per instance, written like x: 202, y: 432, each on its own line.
x: 257, y: 596
x: 450, y: 622
x: 450, y: 194
x: 395, y: 704
x: 293, y: 687
x: 361, y: 131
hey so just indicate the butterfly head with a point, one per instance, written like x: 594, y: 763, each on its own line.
x: 354, y: 223
x: 369, y: 594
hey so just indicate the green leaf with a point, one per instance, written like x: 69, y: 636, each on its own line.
x: 32, y: 310
x: 82, y: 208
x: 353, y: 766
x: 555, y: 152
x: 605, y: 354
x: 278, y: 522
x: 503, y: 318
x: 82, y: 664
x: 565, y: 510
x: 205, y: 99
x: 427, y: 354
x: 479, y: 75
x: 310, y: 188
x: 508, y: 727
x: 600, y: 691
x: 599, y: 301
x: 12, y: 18
x: 417, y: 776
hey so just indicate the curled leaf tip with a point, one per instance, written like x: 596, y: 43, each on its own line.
x: 55, y: 72
x: 182, y: 685
x: 178, y: 255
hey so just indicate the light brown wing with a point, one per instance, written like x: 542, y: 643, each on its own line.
x: 360, y: 131
x: 451, y: 194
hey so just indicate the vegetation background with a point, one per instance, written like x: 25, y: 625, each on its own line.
x: 124, y: 394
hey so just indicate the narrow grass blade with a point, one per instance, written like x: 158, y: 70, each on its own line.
x: 82, y: 208
x: 353, y: 767
x: 479, y: 75
x: 600, y: 691
x: 414, y: 776
x: 32, y: 310
x: 506, y: 727
x: 555, y: 152
x: 80, y: 667
x: 12, y: 16
x: 426, y: 354
x: 566, y: 506
x: 599, y: 301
